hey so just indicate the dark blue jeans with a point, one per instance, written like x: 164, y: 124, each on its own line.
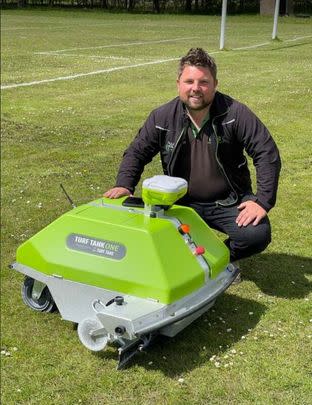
x: 242, y: 241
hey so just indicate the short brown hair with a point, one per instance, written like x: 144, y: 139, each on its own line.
x: 198, y: 57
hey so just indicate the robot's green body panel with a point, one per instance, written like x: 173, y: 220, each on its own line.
x: 107, y: 245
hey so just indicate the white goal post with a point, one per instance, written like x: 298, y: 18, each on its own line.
x: 223, y: 22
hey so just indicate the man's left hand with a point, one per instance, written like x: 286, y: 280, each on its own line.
x: 250, y: 212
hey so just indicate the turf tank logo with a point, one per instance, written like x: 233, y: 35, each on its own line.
x: 99, y: 247
x: 169, y: 146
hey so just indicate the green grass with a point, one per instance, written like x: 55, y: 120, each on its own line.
x: 255, y: 345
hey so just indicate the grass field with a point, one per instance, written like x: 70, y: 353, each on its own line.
x: 76, y: 86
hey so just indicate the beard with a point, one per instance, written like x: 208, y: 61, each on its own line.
x: 197, y: 102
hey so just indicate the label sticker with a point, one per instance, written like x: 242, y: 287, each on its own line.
x: 100, y: 247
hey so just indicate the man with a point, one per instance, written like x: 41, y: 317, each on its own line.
x: 201, y: 136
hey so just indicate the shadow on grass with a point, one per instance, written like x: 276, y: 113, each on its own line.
x: 279, y: 275
x: 212, y: 334
x: 216, y: 331
x: 289, y: 46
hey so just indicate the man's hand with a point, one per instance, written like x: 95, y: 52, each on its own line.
x: 250, y: 211
x: 117, y: 192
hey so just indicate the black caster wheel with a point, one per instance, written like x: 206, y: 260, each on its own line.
x: 37, y: 296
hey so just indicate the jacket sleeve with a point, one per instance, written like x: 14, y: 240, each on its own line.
x: 261, y: 147
x: 139, y: 153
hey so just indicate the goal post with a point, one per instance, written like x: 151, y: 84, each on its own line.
x: 276, y: 13
x: 223, y: 22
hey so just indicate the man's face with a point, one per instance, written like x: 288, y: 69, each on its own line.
x: 196, y: 87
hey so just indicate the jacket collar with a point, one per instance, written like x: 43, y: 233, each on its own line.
x: 220, y: 105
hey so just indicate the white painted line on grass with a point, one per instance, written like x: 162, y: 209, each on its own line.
x: 297, y: 38
x: 44, y: 28
x: 20, y: 28
x: 62, y: 26
x: 80, y: 55
x: 115, y: 45
x: 269, y: 43
x: 83, y: 26
x: 251, y: 46
x: 11, y: 86
x: 96, y: 72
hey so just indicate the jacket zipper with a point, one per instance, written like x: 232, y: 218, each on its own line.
x: 173, y: 151
x: 218, y: 161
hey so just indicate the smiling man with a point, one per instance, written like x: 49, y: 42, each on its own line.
x: 202, y: 136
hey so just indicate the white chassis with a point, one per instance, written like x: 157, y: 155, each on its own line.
x: 102, y: 319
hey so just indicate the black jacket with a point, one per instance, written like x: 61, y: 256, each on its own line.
x: 233, y: 128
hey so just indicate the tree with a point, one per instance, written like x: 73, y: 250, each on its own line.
x: 156, y: 6
x: 188, y: 5
x: 129, y: 4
